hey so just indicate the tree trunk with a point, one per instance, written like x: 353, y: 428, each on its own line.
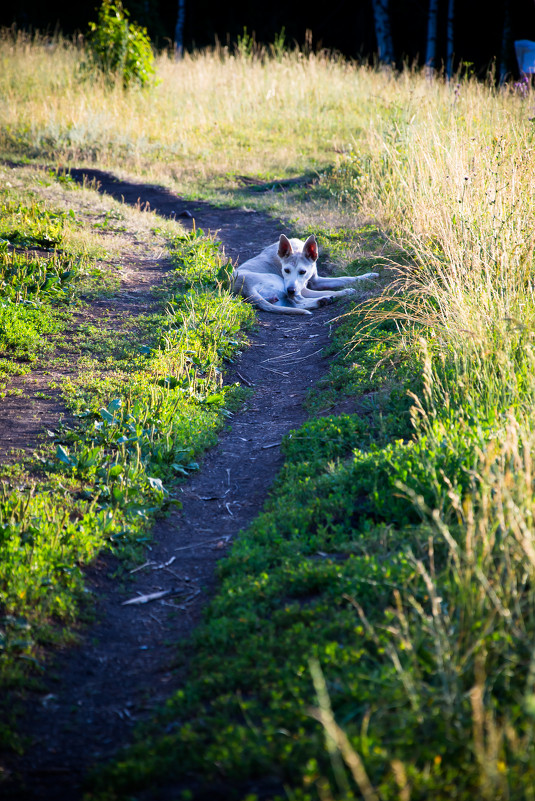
x: 450, y: 39
x: 383, y: 33
x: 507, y: 38
x: 431, y: 52
x: 179, y: 29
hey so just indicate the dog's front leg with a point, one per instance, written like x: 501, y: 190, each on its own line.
x: 326, y: 294
x: 320, y: 283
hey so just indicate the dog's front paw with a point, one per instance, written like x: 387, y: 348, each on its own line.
x: 367, y: 275
x: 326, y: 301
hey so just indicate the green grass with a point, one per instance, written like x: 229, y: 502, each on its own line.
x: 285, y: 597
x: 42, y: 277
x: 144, y: 411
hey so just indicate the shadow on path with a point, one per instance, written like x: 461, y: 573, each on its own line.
x: 243, y: 233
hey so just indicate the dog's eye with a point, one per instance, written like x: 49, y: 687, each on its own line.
x: 287, y: 270
x: 302, y: 272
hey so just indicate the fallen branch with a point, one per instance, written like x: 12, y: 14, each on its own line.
x: 245, y: 380
x: 152, y: 596
x: 154, y: 565
x: 202, y: 544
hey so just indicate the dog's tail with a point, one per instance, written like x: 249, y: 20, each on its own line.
x: 256, y: 298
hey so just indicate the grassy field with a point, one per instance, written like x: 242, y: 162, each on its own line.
x: 373, y: 633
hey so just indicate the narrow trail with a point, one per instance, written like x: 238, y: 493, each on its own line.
x: 133, y: 656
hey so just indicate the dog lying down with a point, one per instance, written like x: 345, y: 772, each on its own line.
x: 283, y: 278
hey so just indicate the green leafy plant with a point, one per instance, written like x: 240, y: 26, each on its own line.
x: 119, y: 48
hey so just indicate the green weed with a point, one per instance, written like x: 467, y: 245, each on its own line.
x: 36, y: 279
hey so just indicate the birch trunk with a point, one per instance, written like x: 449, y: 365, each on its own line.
x: 450, y: 39
x: 431, y: 52
x: 383, y: 33
x: 179, y: 29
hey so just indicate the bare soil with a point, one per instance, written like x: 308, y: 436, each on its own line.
x: 133, y: 656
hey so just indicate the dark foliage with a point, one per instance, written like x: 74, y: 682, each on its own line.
x: 345, y: 26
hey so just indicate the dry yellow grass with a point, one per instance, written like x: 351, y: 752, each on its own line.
x: 211, y: 116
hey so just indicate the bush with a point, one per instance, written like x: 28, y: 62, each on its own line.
x: 119, y: 48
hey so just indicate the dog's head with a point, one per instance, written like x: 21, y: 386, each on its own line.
x: 298, y: 263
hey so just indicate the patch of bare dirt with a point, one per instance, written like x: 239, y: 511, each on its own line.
x: 135, y: 655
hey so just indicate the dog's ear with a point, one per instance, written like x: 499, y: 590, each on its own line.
x: 310, y: 248
x: 285, y: 247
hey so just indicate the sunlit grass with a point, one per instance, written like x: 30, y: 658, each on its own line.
x: 449, y: 175
x: 212, y: 115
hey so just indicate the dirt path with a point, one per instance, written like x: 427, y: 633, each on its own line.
x: 134, y: 656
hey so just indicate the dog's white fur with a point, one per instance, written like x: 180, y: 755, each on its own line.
x: 283, y: 278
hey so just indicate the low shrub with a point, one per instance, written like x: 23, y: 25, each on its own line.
x: 120, y: 49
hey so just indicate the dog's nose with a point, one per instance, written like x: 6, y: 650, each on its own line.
x: 291, y: 290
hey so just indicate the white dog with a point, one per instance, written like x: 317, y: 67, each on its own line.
x: 283, y: 278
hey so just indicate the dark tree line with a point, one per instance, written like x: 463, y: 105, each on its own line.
x: 452, y: 47
x: 437, y: 33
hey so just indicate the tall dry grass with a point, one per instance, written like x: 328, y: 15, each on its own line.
x: 210, y: 114
x: 449, y: 173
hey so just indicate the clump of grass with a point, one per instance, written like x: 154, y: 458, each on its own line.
x: 454, y: 193
x: 37, y: 282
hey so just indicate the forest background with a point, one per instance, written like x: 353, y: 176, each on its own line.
x: 476, y: 34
